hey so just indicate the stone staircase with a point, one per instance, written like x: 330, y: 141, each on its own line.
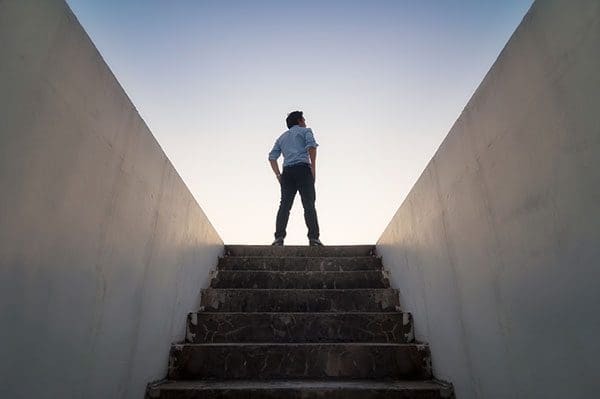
x: 299, y: 322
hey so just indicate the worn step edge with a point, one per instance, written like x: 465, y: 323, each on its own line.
x: 205, y: 327
x: 333, y: 258
x: 382, y: 272
x: 299, y: 250
x: 183, y: 342
x: 299, y: 300
x: 342, y: 259
x: 300, y: 263
x: 301, y: 289
x: 266, y: 361
x: 199, y: 313
x: 305, y: 344
x: 278, y: 279
x: 340, y: 388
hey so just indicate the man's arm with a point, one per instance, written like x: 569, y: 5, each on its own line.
x: 312, y: 153
x: 273, y: 155
x: 311, y: 147
x: 275, y: 167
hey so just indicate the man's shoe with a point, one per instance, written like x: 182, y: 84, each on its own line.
x: 278, y: 242
x: 315, y: 242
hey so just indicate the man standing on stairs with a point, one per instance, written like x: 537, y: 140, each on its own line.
x: 299, y: 150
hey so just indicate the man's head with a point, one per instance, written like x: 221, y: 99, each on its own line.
x: 295, y: 118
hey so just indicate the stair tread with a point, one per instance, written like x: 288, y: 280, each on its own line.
x: 296, y: 247
x: 267, y: 361
x: 395, y: 326
x: 302, y: 272
x: 292, y: 257
x: 300, y: 250
x: 300, y: 263
x: 302, y: 384
x: 302, y: 289
x: 277, y: 279
x: 383, y: 313
x: 299, y: 299
x: 390, y: 344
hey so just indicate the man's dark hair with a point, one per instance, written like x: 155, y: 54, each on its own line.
x: 293, y: 118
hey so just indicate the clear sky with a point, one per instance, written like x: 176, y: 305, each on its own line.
x: 380, y: 83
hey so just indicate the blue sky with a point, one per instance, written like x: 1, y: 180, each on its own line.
x: 380, y: 82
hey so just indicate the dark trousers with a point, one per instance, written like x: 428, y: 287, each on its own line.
x: 297, y: 178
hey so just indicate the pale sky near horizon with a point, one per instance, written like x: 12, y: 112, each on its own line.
x: 380, y: 83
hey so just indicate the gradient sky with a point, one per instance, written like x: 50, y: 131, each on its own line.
x: 380, y: 83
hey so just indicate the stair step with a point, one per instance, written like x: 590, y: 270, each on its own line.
x: 298, y: 279
x: 300, y: 263
x: 294, y: 360
x: 299, y: 300
x: 301, y: 389
x: 299, y: 250
x: 205, y: 327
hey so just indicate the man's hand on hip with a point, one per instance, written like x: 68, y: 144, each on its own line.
x: 275, y: 167
x: 312, y: 154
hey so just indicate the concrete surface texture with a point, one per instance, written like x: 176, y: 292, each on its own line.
x: 103, y: 250
x: 496, y: 250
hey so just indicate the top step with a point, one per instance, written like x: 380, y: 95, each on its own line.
x: 300, y: 250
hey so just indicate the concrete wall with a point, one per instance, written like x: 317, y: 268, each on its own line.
x: 496, y: 249
x: 103, y: 250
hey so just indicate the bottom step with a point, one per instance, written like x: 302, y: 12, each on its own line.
x: 300, y: 389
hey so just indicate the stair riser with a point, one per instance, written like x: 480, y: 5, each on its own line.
x: 299, y: 327
x: 300, y: 263
x: 240, y: 300
x: 301, y: 394
x: 299, y: 361
x: 299, y: 250
x: 300, y: 280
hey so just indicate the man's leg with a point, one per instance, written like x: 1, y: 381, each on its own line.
x: 288, y: 192
x: 308, y: 195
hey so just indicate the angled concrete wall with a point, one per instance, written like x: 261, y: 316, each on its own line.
x: 496, y: 249
x: 103, y: 250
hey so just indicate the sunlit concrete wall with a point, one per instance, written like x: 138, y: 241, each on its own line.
x: 496, y: 250
x: 103, y: 250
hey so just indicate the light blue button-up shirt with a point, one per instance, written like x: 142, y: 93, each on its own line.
x: 294, y: 145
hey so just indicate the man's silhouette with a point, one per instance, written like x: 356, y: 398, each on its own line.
x: 299, y: 150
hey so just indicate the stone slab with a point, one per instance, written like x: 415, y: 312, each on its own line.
x: 294, y: 360
x: 298, y: 279
x: 205, y: 327
x: 299, y: 263
x: 299, y: 250
x: 300, y: 389
x: 303, y: 300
